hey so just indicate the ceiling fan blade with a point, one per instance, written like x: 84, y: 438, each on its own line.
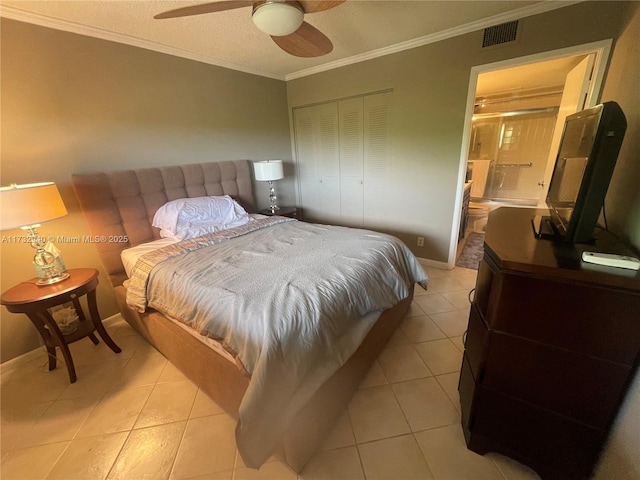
x: 204, y: 8
x: 307, y: 41
x: 312, y: 6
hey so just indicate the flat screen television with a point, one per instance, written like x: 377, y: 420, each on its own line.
x: 586, y: 158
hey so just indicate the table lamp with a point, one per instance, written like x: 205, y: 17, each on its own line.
x: 26, y: 207
x: 268, y: 171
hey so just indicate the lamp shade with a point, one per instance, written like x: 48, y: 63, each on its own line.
x: 277, y: 18
x: 25, y: 205
x: 268, y: 170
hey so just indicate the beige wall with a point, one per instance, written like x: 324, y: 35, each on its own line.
x: 430, y: 86
x: 621, y: 459
x: 76, y: 104
x: 623, y: 85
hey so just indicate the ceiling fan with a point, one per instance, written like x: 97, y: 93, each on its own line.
x: 283, y: 20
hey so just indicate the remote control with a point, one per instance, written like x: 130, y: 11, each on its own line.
x: 611, y: 260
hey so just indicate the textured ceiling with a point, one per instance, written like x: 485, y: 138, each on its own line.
x: 358, y: 28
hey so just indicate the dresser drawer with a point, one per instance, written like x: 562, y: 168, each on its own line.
x: 557, y: 447
x: 484, y: 285
x: 591, y: 320
x: 576, y: 386
x: 466, y: 388
x: 476, y: 342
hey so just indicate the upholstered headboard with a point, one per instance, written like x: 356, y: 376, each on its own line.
x: 119, y: 206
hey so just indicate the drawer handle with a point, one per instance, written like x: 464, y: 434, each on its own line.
x: 73, y: 295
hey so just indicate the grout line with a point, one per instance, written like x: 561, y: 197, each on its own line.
x: 175, y: 457
x: 58, y: 459
x: 504, y: 476
x: 115, y: 460
x: 364, y: 472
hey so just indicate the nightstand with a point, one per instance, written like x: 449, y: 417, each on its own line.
x: 34, y: 301
x: 291, y: 212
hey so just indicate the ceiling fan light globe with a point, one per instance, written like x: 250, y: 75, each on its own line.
x: 278, y: 19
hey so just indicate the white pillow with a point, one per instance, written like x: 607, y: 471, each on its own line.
x: 191, y: 217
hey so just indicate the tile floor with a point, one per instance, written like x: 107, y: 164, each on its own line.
x: 135, y: 416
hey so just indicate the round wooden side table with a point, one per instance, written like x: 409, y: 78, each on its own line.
x: 34, y: 301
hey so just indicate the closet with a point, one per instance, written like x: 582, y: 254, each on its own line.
x: 343, y: 155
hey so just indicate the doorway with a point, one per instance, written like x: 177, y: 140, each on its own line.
x: 518, y: 120
x: 518, y: 115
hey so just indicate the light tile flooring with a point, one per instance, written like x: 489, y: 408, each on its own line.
x: 135, y: 416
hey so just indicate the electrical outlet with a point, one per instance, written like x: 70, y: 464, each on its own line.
x: 421, y: 241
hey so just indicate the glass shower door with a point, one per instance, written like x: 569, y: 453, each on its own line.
x: 517, y: 143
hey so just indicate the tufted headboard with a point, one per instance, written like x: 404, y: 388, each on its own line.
x: 119, y: 206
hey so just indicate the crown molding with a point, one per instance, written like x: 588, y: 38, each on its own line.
x: 527, y: 11
x: 72, y: 27
x: 13, y: 13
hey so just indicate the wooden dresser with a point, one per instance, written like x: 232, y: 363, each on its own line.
x: 551, y: 348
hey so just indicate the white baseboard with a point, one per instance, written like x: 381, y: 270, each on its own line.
x: 16, y: 362
x: 433, y: 263
x: 112, y: 319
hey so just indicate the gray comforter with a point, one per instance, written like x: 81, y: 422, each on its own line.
x: 292, y: 300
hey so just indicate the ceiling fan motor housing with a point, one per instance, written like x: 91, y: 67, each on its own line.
x: 278, y: 18
x: 282, y: 20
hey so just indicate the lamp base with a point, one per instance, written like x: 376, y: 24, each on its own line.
x: 51, y: 280
x: 273, y: 198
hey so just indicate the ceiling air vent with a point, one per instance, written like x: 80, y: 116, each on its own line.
x: 498, y: 34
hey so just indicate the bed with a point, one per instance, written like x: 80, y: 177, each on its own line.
x: 120, y: 206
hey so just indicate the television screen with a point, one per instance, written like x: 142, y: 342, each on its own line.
x: 575, y: 148
x: 586, y: 158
